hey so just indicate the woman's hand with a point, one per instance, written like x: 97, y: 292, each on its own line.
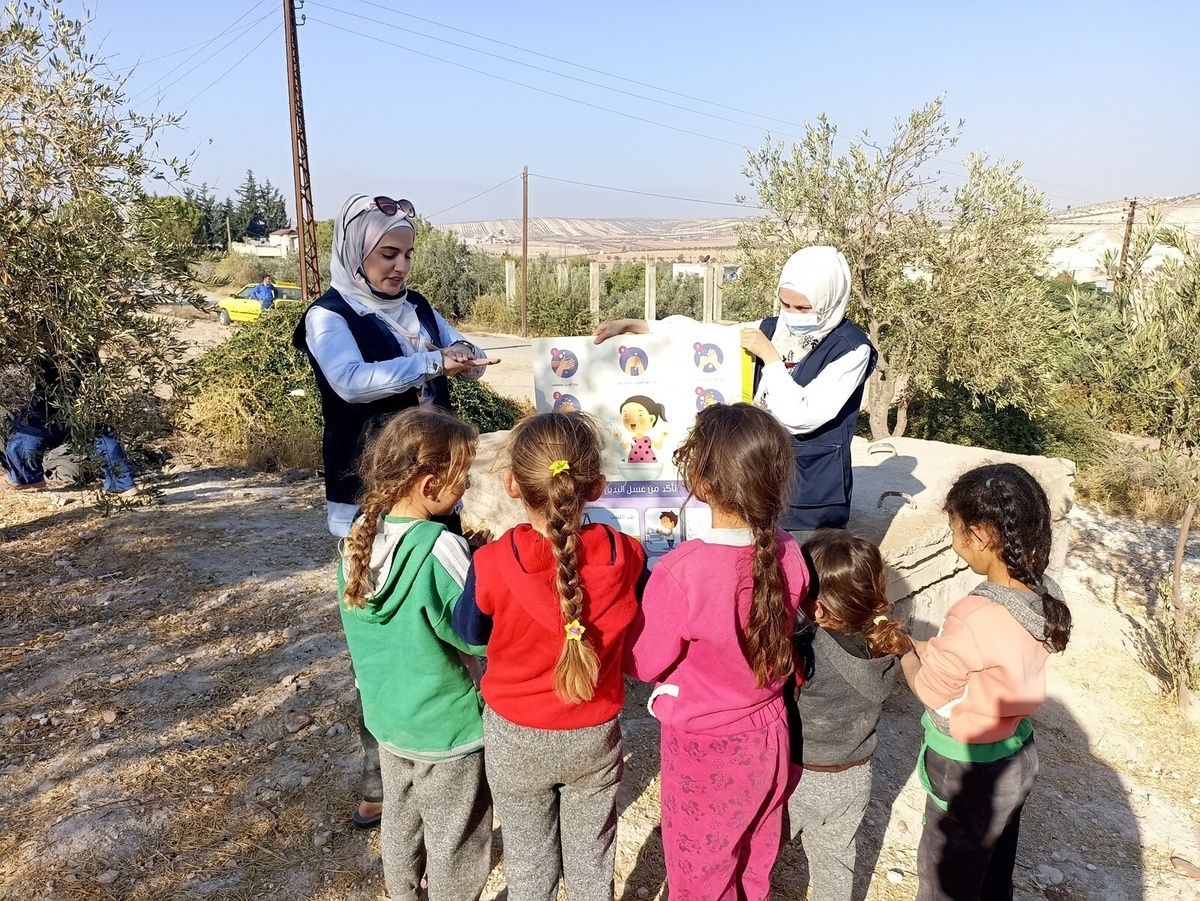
x: 614, y: 327
x: 458, y: 359
x: 755, y: 342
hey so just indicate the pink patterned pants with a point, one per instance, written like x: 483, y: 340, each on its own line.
x: 722, y: 810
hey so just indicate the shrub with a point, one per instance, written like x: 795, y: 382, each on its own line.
x: 252, y: 401
x: 491, y: 313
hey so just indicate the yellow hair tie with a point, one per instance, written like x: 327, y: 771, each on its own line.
x: 879, y: 619
x: 574, y: 630
x: 558, y: 467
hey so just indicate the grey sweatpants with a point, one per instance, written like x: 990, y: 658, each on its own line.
x: 828, y: 809
x: 437, y: 819
x: 556, y: 795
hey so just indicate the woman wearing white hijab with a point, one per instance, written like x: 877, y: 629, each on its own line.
x: 811, y: 364
x: 376, y: 347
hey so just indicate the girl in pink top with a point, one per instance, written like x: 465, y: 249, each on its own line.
x: 714, y: 633
x: 981, y: 679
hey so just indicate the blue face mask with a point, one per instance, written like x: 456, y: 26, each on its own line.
x: 800, y: 323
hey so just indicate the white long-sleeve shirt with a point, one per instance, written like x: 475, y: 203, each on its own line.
x: 356, y: 381
x: 801, y: 409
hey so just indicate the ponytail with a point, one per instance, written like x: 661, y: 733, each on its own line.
x: 886, y: 636
x: 578, y: 668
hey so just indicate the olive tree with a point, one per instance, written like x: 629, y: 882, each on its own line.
x: 84, y: 251
x: 946, y: 283
x: 1156, y: 359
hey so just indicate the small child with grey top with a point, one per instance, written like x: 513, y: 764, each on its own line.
x: 847, y: 662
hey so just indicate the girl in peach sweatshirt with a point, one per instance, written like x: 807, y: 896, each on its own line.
x: 980, y: 679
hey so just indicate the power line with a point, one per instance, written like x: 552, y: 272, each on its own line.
x: 475, y: 197
x: 242, y: 32
x: 155, y: 59
x: 652, y: 87
x: 268, y: 35
x: 568, y: 62
x: 520, y: 84
x: 517, y: 62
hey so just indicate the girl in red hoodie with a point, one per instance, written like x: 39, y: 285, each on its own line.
x: 980, y: 679
x: 552, y: 599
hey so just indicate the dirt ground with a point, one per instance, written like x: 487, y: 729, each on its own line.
x: 177, y: 716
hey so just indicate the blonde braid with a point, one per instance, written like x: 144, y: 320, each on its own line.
x: 578, y: 666
x: 358, y: 546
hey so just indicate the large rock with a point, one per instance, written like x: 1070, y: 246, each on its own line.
x: 900, y: 486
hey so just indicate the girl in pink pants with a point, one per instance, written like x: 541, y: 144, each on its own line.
x: 714, y: 634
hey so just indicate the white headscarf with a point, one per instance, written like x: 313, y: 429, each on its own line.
x: 351, y: 245
x: 822, y: 275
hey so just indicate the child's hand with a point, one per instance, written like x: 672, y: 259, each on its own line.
x: 477, y: 538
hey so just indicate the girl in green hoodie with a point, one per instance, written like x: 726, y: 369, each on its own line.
x: 399, y: 579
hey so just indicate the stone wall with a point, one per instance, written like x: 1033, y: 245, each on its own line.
x: 900, y: 486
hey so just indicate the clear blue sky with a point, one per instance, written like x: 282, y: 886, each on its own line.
x: 1098, y: 99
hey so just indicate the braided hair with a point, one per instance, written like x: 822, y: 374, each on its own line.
x: 417, y: 442
x: 739, y: 458
x: 556, y: 461
x: 1008, y: 504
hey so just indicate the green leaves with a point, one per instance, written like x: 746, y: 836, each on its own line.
x: 85, y: 252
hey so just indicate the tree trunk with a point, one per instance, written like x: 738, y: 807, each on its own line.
x: 880, y: 391
x: 1189, y: 694
x: 901, y: 419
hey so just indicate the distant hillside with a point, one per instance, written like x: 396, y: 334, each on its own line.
x: 668, y: 238
x: 590, y: 236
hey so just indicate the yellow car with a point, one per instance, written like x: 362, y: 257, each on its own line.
x: 241, y: 307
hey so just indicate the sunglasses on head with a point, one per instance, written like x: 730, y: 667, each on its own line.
x: 388, y: 207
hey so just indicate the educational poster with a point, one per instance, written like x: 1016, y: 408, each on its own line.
x: 645, y: 390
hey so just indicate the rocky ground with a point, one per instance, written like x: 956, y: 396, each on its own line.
x: 176, y: 716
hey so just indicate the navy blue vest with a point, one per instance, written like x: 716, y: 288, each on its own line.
x: 819, y: 495
x: 348, y: 425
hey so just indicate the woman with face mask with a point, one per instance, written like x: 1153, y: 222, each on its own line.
x: 376, y: 347
x: 811, y: 364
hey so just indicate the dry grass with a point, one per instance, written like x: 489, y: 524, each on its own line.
x: 229, y: 426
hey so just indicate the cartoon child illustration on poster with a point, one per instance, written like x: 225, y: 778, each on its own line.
x: 640, y: 417
x: 708, y: 357
x: 564, y: 363
x: 566, y: 403
x: 668, y: 522
x: 632, y: 360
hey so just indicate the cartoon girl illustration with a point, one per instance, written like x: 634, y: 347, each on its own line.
x: 668, y: 521
x: 708, y: 397
x: 632, y: 360
x: 564, y: 363
x: 640, y: 415
x: 708, y: 357
x: 566, y: 403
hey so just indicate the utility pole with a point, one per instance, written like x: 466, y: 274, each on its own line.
x: 524, y: 249
x: 228, y: 237
x: 1128, y: 233
x: 306, y: 228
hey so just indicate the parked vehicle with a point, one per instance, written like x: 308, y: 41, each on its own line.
x: 241, y: 307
